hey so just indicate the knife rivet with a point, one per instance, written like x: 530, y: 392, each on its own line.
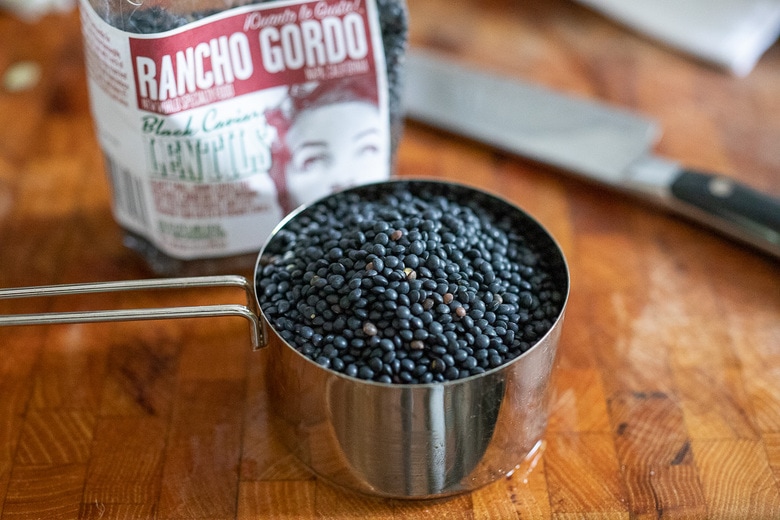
x: 720, y: 187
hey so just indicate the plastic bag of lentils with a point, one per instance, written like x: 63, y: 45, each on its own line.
x: 218, y: 117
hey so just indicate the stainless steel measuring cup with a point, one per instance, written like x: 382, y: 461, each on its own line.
x: 391, y: 440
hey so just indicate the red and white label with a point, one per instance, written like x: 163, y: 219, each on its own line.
x: 252, y: 51
x: 201, y: 126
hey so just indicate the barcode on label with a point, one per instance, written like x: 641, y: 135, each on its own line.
x: 128, y: 192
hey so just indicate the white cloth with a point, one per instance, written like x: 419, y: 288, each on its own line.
x: 733, y: 34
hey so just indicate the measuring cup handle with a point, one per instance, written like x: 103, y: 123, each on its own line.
x: 248, y: 311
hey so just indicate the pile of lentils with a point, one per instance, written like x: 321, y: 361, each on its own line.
x: 400, y: 283
x: 393, y: 23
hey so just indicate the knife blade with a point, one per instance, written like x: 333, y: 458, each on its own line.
x: 602, y: 143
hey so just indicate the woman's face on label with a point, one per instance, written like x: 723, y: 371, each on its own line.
x: 333, y: 147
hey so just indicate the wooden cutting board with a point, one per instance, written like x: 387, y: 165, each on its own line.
x: 667, y: 387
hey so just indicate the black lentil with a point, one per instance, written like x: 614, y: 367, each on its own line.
x: 440, y: 325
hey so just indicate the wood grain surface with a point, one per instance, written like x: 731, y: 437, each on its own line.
x: 667, y: 385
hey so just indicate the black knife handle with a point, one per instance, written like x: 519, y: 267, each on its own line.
x: 742, y: 206
x: 727, y: 198
x: 748, y: 214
